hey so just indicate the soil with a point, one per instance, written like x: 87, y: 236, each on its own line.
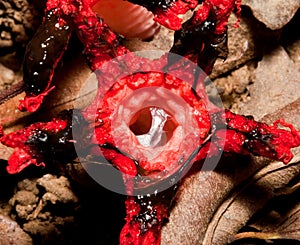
x: 61, y: 204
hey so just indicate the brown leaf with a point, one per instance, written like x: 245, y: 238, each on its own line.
x: 273, y: 13
x: 213, y: 206
x: 291, y: 113
x: 276, y: 84
x: 212, y: 211
x: 239, y: 207
x: 282, y: 227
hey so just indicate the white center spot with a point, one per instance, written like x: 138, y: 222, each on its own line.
x: 156, y: 136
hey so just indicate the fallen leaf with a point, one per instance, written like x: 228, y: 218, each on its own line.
x: 285, y: 226
x: 212, y: 206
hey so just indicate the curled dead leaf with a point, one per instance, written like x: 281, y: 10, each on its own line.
x: 212, y: 206
x: 286, y: 226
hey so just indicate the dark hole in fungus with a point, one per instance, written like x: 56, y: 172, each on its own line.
x: 153, y: 122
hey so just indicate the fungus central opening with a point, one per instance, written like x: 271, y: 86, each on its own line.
x: 153, y: 126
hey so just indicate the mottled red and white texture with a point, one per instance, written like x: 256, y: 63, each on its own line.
x: 241, y: 135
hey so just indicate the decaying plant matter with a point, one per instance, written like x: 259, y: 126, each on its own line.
x: 202, y: 39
